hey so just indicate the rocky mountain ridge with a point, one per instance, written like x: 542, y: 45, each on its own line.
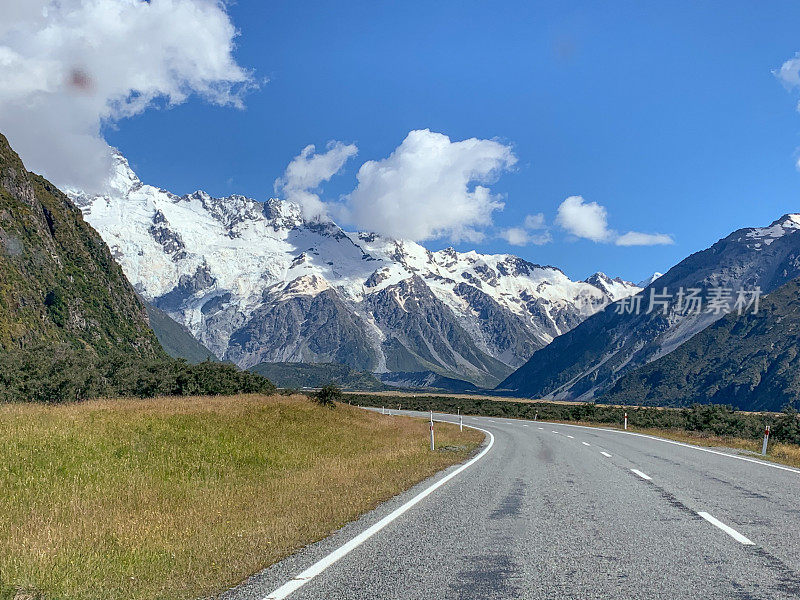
x: 255, y: 282
x: 587, y: 360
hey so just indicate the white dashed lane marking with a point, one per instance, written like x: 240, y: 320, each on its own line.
x: 729, y: 530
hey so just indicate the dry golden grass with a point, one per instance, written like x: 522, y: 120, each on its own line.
x: 180, y: 498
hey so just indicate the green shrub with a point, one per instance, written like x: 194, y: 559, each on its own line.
x: 62, y: 373
x: 328, y: 395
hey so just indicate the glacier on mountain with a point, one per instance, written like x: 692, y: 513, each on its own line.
x: 256, y: 282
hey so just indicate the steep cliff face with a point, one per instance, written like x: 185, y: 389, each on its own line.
x: 255, y: 282
x: 590, y: 358
x: 58, y: 280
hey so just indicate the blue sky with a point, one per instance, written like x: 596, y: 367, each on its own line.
x: 666, y: 114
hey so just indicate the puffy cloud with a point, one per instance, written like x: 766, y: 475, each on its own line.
x: 519, y: 236
x: 584, y: 219
x: 70, y: 67
x: 789, y: 73
x: 589, y: 220
x: 430, y: 187
x: 307, y: 171
x: 535, y: 221
x: 635, y: 238
x: 522, y: 236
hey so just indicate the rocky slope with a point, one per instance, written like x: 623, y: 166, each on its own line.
x: 58, y: 281
x: 750, y: 361
x: 255, y: 282
x: 592, y: 356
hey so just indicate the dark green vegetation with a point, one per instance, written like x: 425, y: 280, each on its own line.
x: 71, y: 326
x: 176, y: 340
x: 430, y: 381
x: 713, y: 419
x: 63, y: 373
x: 328, y: 395
x: 58, y: 281
x: 750, y: 361
x: 300, y: 375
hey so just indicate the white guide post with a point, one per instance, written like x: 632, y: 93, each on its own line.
x: 766, y: 441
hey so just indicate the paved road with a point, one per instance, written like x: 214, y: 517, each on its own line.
x: 557, y: 511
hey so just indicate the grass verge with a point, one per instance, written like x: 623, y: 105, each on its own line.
x: 180, y: 498
x: 705, y: 425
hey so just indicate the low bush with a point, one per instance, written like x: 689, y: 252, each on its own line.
x: 66, y: 374
x: 328, y: 395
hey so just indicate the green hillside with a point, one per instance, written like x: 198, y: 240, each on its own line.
x: 71, y: 326
x: 176, y: 340
x: 300, y: 375
x: 58, y: 281
x: 749, y: 361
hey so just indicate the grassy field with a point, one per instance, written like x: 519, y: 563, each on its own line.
x: 180, y: 498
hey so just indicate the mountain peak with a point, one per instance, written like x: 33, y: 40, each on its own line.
x: 255, y: 281
x: 759, y: 237
x: 788, y: 221
x: 645, y: 282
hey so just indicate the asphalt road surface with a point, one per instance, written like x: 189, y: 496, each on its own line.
x: 559, y: 511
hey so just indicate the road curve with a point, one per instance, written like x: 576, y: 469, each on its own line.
x: 561, y: 511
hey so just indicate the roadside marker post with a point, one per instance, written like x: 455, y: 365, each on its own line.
x: 460, y: 421
x: 536, y: 416
x: 432, y: 446
x: 766, y: 440
x: 626, y: 421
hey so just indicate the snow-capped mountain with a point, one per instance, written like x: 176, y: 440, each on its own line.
x: 255, y: 282
x: 645, y: 282
x: 591, y: 357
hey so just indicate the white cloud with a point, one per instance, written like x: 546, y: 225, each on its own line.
x: 429, y: 187
x: 789, y: 73
x: 635, y: 238
x: 70, y: 67
x: 584, y: 219
x: 589, y: 220
x: 519, y: 236
x: 522, y: 236
x: 535, y: 221
x: 308, y: 171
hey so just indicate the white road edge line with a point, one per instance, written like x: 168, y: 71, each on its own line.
x: 642, y: 475
x: 586, y: 443
x: 318, y: 567
x: 693, y: 447
x: 729, y: 530
x: 606, y: 454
